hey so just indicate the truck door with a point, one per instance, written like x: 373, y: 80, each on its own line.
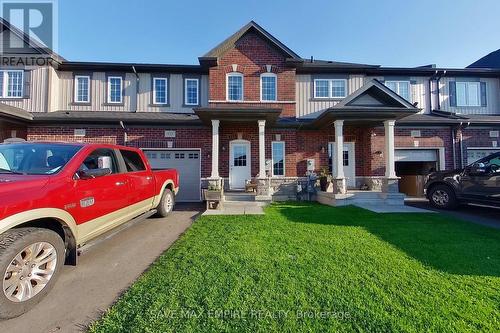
x: 482, y: 179
x: 97, y: 198
x: 140, y: 180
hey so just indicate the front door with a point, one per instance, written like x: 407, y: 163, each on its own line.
x: 239, y: 164
x: 348, y: 160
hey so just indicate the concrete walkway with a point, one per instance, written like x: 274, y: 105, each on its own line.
x: 239, y: 208
x: 108, y: 268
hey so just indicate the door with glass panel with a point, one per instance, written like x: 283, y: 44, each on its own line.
x: 239, y: 164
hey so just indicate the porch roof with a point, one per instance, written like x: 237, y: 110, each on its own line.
x: 238, y: 114
x: 11, y: 114
x: 371, y: 104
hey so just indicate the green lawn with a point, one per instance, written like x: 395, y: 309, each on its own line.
x: 312, y: 268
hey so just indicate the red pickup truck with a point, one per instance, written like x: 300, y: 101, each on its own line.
x: 55, y: 197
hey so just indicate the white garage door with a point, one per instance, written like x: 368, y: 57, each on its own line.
x: 187, y: 163
x: 475, y: 154
x: 416, y: 155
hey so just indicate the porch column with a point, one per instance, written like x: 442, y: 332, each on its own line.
x: 339, y: 185
x: 390, y: 183
x: 215, y: 149
x: 262, y: 149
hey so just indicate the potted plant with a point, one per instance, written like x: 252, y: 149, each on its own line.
x: 324, y: 178
x: 213, y: 192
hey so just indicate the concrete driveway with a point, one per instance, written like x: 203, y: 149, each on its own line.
x: 104, y: 271
x: 477, y: 214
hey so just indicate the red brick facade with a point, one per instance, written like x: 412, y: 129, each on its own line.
x: 251, y: 54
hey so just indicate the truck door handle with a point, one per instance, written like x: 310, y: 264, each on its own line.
x: 120, y: 183
x: 149, y: 178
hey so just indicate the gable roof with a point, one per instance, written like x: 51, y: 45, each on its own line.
x: 36, y: 46
x: 230, y: 42
x: 491, y: 60
x: 375, y: 94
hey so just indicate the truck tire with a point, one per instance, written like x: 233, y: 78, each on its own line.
x: 167, y: 203
x: 30, y: 262
x: 443, y: 196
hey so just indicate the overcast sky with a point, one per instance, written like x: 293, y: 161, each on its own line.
x: 449, y: 33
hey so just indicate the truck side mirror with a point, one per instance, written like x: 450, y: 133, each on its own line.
x: 93, y: 173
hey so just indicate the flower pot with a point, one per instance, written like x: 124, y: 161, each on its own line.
x: 323, y: 183
x: 212, y: 195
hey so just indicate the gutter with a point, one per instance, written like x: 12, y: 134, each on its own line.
x: 136, y: 88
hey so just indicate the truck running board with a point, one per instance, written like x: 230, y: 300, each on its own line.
x: 107, y: 235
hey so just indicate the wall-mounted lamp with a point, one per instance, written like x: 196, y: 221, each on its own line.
x: 322, y: 149
x: 208, y: 155
x: 223, y: 148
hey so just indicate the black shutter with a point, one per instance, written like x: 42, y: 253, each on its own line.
x: 27, y: 84
x: 453, y: 93
x: 483, y: 93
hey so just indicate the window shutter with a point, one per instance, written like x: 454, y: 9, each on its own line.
x: 27, y: 84
x: 483, y: 93
x: 453, y: 93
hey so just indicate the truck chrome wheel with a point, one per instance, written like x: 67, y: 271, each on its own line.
x: 169, y: 202
x: 29, y: 271
x: 440, y: 197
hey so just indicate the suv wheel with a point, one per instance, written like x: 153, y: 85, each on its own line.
x: 30, y: 261
x: 167, y: 203
x: 442, y: 196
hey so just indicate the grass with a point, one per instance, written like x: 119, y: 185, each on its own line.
x: 312, y: 268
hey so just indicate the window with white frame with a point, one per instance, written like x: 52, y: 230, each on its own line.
x: 402, y: 88
x: 468, y: 94
x: 278, y: 157
x: 191, y: 91
x: 11, y: 83
x: 82, y: 88
x: 330, y: 88
x: 234, y: 87
x: 115, y: 88
x: 268, y: 87
x: 160, y: 90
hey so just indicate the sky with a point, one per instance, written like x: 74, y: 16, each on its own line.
x: 449, y: 33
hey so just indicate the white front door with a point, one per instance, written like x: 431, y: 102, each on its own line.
x: 239, y: 164
x: 348, y: 160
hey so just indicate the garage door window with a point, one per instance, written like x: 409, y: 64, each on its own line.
x: 133, y: 161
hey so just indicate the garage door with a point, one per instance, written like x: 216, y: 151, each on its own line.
x: 475, y: 154
x: 416, y: 155
x: 187, y: 163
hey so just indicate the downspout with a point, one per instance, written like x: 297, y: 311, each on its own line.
x: 453, y: 146
x: 460, y: 138
x: 136, y: 88
x: 437, y: 89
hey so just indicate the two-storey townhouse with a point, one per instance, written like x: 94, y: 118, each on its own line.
x: 254, y: 109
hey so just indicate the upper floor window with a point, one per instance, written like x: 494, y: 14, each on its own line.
x: 468, y: 94
x: 11, y: 83
x: 402, y: 88
x: 330, y: 88
x: 268, y: 87
x: 82, y: 88
x: 191, y: 91
x: 115, y: 87
x: 234, y: 87
x: 160, y: 90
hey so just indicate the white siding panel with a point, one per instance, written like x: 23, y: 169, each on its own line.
x: 309, y: 107
x: 492, y: 97
x: 38, y: 92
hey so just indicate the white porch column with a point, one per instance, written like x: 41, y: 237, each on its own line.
x: 390, y: 182
x: 339, y: 184
x: 262, y: 148
x: 390, y: 168
x: 215, y: 149
x: 339, y: 149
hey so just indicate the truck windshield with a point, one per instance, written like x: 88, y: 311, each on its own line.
x: 35, y: 158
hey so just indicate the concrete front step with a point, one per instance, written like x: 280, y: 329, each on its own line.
x: 239, y: 196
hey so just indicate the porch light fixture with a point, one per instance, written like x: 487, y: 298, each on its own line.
x: 322, y: 148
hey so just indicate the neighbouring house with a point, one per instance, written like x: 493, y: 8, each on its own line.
x: 254, y: 109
